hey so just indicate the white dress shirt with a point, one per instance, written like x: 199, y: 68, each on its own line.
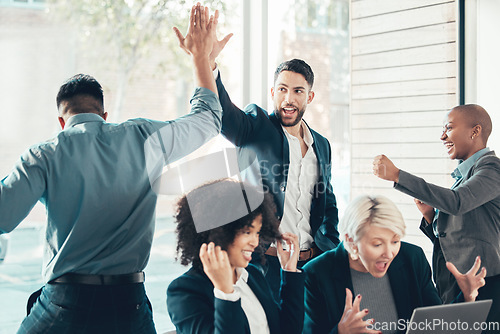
x: 302, y: 176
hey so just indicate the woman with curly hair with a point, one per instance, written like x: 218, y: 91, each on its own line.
x: 222, y: 292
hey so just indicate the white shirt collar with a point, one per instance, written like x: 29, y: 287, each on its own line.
x: 308, y: 138
x: 241, y: 275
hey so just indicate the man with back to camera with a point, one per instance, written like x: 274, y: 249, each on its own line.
x: 95, y: 179
x: 462, y: 222
x: 294, y: 160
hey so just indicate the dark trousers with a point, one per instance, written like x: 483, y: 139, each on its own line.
x: 446, y: 284
x: 78, y: 308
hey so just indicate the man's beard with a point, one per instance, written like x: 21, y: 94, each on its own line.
x: 298, y: 118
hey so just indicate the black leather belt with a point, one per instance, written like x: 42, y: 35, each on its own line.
x: 72, y: 278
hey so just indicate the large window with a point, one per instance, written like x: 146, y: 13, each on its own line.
x: 321, y: 16
x: 32, y: 3
x: 482, y: 67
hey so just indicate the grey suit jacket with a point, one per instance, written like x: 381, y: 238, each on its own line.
x: 469, y: 219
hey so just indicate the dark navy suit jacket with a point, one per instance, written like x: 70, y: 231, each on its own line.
x: 194, y: 309
x: 328, y: 275
x: 258, y: 134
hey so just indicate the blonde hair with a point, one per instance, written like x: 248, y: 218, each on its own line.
x: 368, y: 210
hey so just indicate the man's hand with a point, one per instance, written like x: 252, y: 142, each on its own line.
x: 385, y: 169
x: 469, y: 282
x: 200, y: 34
x: 198, y: 43
x: 218, y: 45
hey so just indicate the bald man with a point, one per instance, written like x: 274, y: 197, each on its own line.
x: 463, y: 222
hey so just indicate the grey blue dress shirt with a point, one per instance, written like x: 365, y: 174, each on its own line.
x: 94, y: 179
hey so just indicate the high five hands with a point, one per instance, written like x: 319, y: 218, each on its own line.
x: 202, y: 28
x: 218, y: 45
x: 200, y: 34
x: 199, y: 43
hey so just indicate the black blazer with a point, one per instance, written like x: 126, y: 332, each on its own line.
x: 194, y: 309
x: 258, y: 134
x: 328, y: 275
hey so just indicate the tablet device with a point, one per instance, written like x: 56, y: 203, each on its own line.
x: 464, y: 318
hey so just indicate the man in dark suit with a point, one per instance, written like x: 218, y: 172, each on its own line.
x: 463, y: 222
x: 294, y: 161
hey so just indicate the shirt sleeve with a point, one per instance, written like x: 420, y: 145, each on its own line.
x: 215, y: 72
x: 292, y: 301
x: 170, y: 141
x: 21, y: 189
x: 232, y: 297
x: 482, y: 187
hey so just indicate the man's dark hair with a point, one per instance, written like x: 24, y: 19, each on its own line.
x: 189, y: 241
x: 80, y: 84
x: 297, y: 66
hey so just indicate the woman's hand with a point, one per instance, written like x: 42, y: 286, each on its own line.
x: 217, y: 267
x: 426, y: 210
x: 469, y: 282
x: 385, y: 169
x: 290, y: 256
x: 352, y: 319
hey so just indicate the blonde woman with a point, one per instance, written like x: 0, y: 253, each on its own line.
x: 372, y: 277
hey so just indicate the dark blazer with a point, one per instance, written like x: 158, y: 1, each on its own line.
x: 194, y: 309
x: 328, y: 275
x: 469, y: 214
x: 258, y: 134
